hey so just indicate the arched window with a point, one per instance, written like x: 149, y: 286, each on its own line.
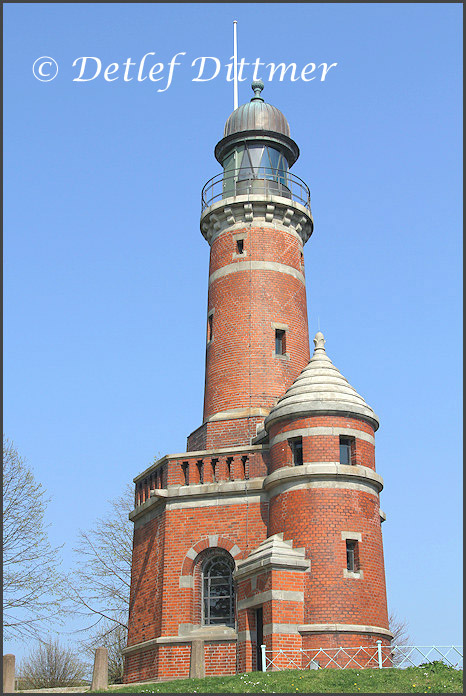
x: 218, y: 591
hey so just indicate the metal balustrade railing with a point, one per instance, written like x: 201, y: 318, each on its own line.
x: 265, y: 181
x: 363, y: 657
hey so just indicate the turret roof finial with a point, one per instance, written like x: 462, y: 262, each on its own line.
x: 257, y: 86
x: 319, y: 341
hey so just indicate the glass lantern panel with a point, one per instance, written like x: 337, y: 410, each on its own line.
x: 274, y: 158
x: 282, y: 170
x: 255, y: 153
x: 229, y: 175
x: 245, y: 168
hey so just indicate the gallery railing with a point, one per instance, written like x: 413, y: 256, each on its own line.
x: 264, y: 181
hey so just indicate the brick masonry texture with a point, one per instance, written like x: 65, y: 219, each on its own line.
x: 241, y: 368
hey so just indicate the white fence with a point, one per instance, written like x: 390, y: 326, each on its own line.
x: 399, y: 656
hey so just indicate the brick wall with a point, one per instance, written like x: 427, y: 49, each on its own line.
x: 314, y: 517
x: 241, y: 369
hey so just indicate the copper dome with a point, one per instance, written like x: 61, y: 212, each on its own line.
x: 257, y: 115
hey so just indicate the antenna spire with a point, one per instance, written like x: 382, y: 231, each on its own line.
x: 235, y: 67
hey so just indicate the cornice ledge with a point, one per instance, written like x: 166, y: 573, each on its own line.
x: 200, y: 490
x: 207, y: 635
x: 263, y: 208
x: 344, y: 628
x: 331, y: 471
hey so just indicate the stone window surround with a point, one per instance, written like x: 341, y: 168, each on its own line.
x: 352, y: 536
x: 237, y: 237
x: 281, y: 327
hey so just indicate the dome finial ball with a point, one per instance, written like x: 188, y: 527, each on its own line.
x: 257, y: 86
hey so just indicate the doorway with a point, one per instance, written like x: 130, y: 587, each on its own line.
x: 259, y: 638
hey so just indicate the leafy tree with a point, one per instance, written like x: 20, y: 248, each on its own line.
x: 31, y: 581
x: 50, y: 665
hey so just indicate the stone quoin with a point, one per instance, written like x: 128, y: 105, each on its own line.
x: 267, y: 530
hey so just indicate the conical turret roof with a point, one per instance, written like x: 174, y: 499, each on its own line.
x: 321, y: 389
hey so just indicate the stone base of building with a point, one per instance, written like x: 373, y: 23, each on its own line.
x: 163, y: 662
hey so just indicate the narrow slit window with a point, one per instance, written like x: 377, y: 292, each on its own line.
x: 185, y: 470
x: 210, y: 320
x: 214, y: 469
x: 297, y: 451
x: 280, y: 347
x: 240, y: 246
x: 200, y: 470
x: 347, y: 448
x: 351, y: 555
x: 229, y: 463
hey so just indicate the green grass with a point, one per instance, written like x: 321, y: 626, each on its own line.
x: 430, y: 679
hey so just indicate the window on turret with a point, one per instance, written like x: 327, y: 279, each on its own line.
x: 352, y: 556
x: 185, y: 471
x: 240, y: 246
x: 296, y: 445
x: 200, y: 470
x: 280, y: 342
x: 347, y: 450
x: 210, y: 320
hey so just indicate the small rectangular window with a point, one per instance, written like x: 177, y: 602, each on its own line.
x: 240, y: 246
x: 351, y: 556
x: 296, y: 445
x: 185, y: 470
x: 214, y: 469
x: 347, y: 445
x: 229, y: 463
x: 280, y: 347
x: 200, y: 470
x: 210, y: 319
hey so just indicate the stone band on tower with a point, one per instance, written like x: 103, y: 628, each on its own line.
x: 268, y: 528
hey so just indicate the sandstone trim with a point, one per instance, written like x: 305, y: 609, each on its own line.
x: 256, y: 266
x: 269, y: 595
x: 329, y: 474
x: 344, y: 628
x: 187, y: 638
x: 322, y: 430
x: 263, y: 210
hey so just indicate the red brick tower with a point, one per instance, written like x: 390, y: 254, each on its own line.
x: 267, y: 529
x: 256, y: 217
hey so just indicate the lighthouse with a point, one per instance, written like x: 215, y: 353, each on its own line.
x: 267, y: 529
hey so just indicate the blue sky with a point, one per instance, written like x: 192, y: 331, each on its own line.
x: 105, y: 269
